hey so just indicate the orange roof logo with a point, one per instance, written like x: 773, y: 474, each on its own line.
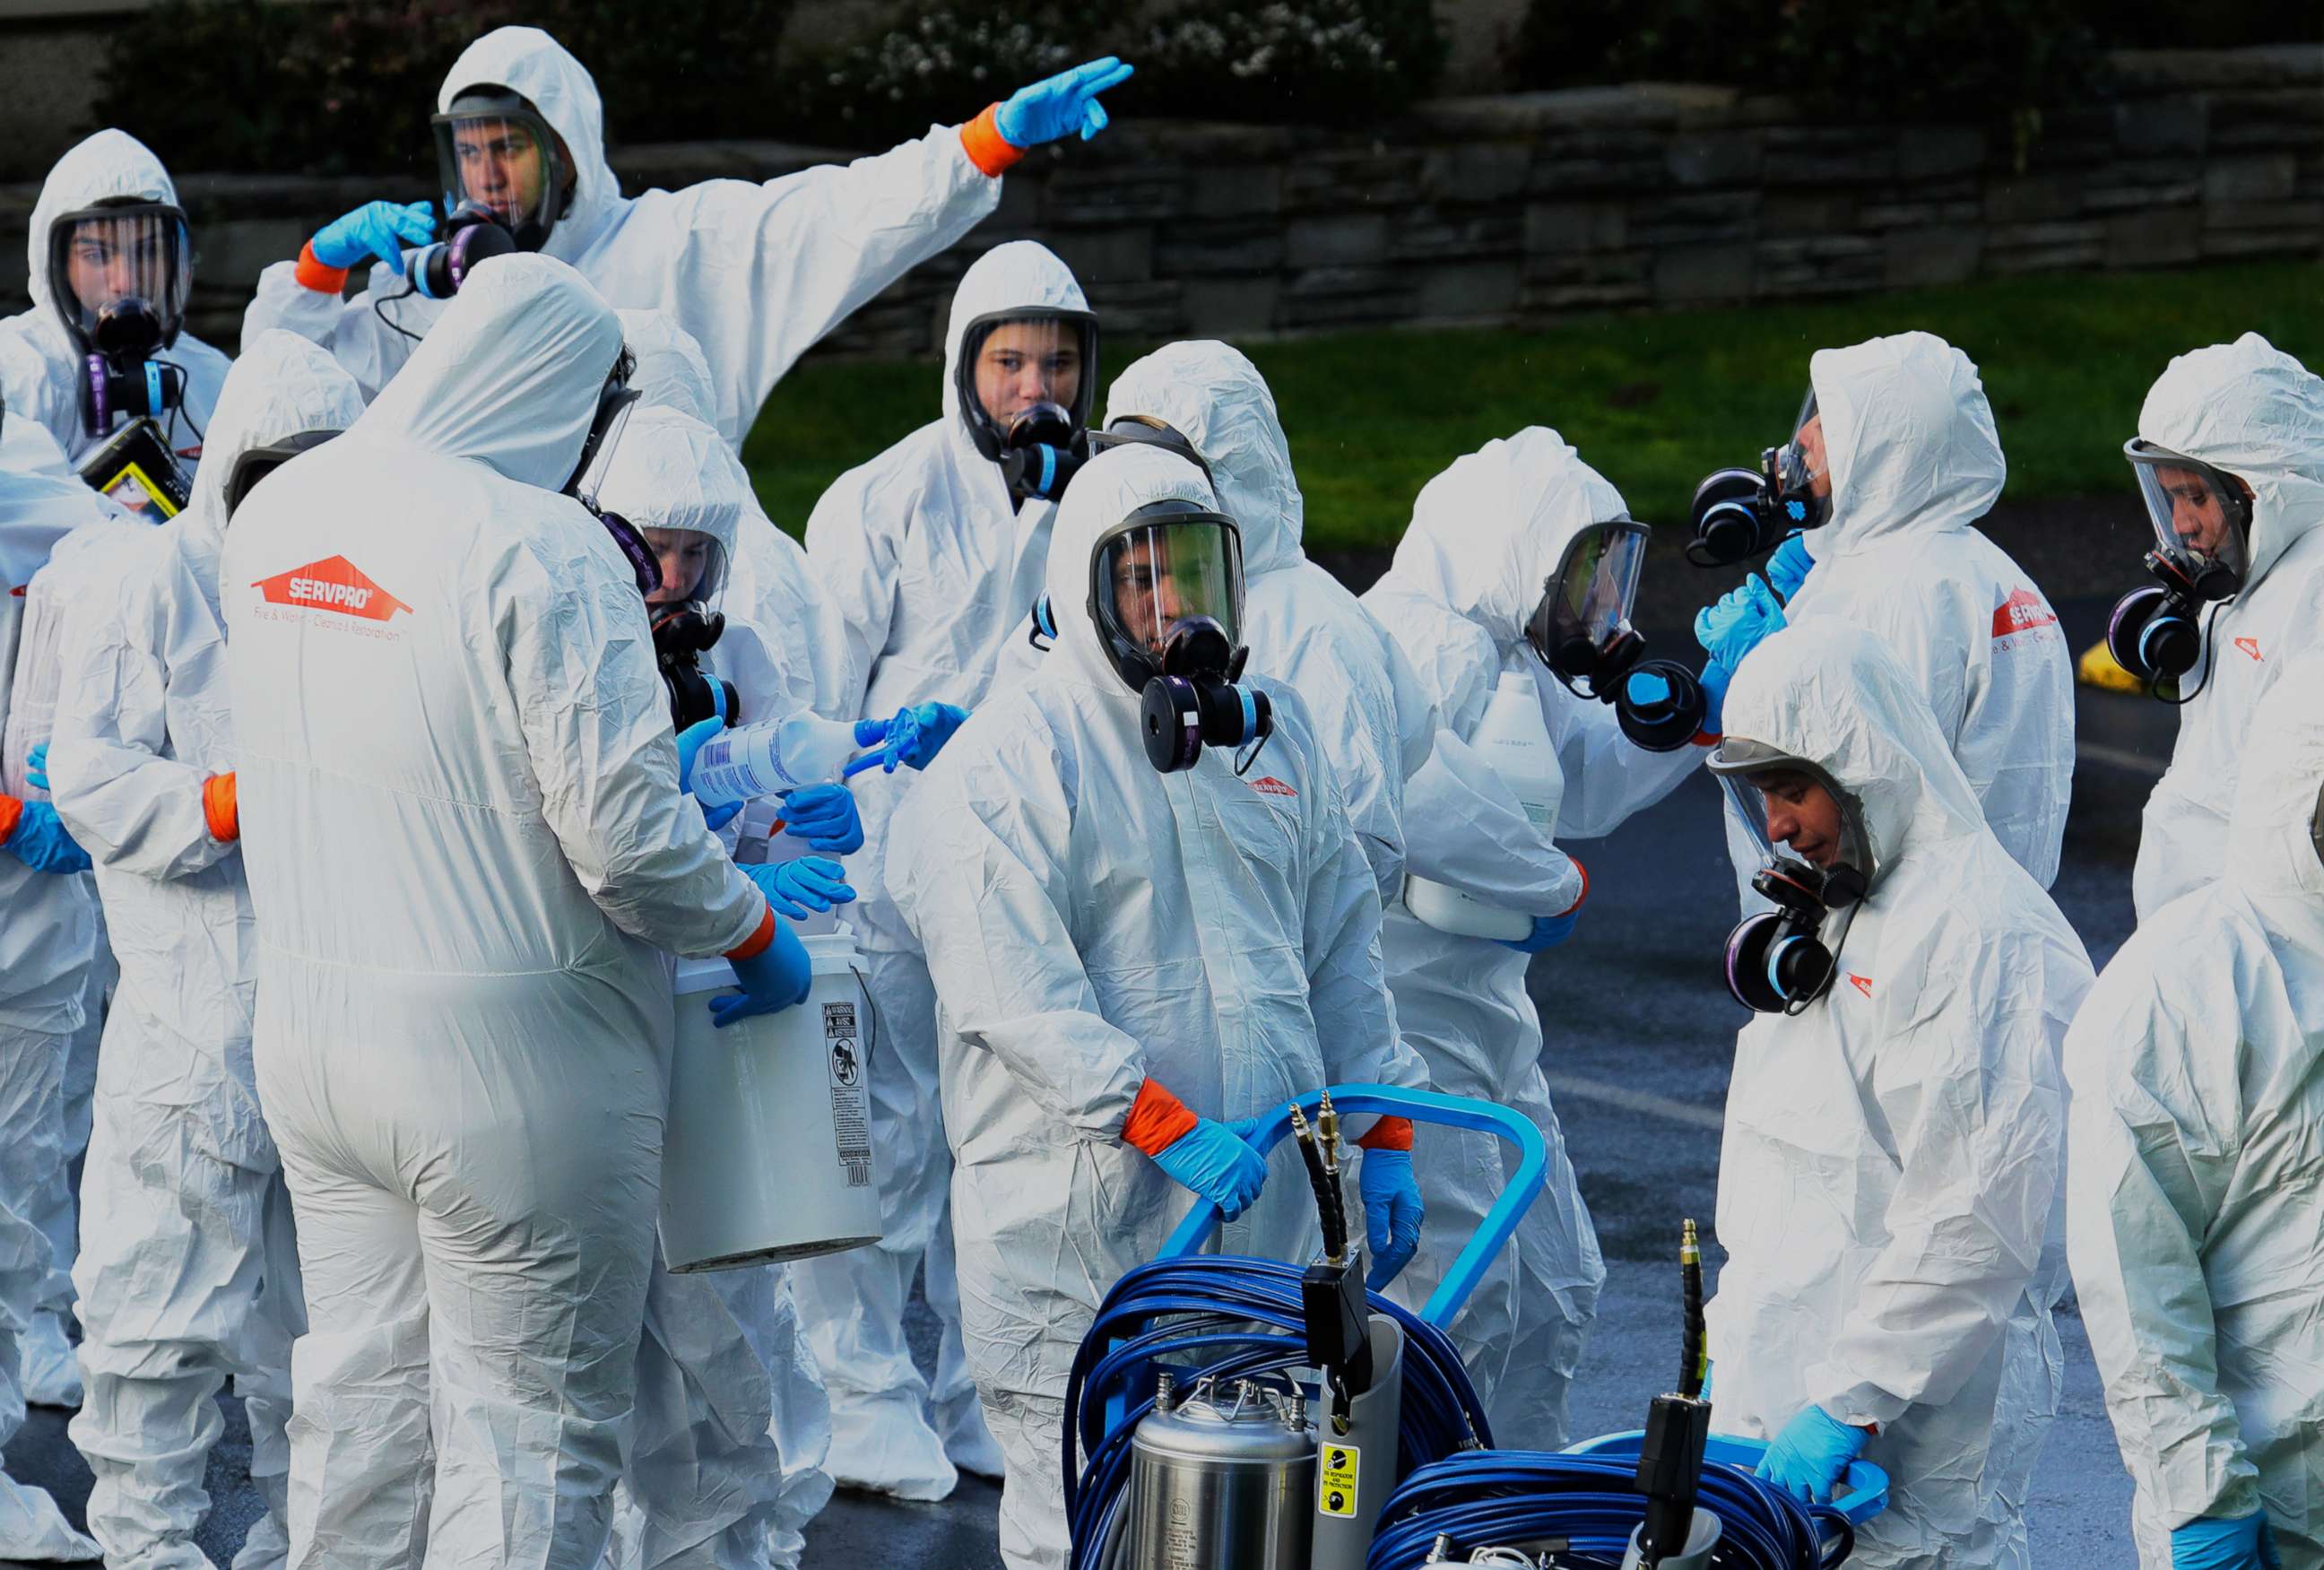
x: 1862, y: 983
x: 2249, y: 646
x: 2023, y: 611
x: 332, y: 584
x: 1268, y: 785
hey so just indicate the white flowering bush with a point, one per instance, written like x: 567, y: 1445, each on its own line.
x: 1328, y: 61
x: 931, y: 62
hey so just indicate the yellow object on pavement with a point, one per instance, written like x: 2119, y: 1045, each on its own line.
x: 2098, y: 668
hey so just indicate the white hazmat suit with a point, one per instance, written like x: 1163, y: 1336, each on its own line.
x: 753, y: 273
x: 40, y: 369
x: 1914, y: 462
x: 2252, y: 410
x: 191, y: 1269
x: 1888, y: 1180
x: 468, y: 854
x: 931, y: 568
x: 45, y: 940
x: 731, y: 1424
x: 1486, y: 537
x: 1375, y: 723
x: 2197, y: 1067
x: 1092, y: 924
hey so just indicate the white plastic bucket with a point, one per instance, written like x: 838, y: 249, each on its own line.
x: 768, y: 1153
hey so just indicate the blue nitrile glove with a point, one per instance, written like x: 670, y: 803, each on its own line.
x: 380, y: 229
x: 36, y: 768
x: 1392, y: 1214
x: 2208, y: 1543
x: 689, y: 742
x: 795, y: 889
x: 1713, y: 680
x: 774, y: 978
x: 825, y: 816
x: 917, y: 735
x: 1212, y: 1159
x: 1065, y: 103
x: 1733, y: 627
x: 40, y: 843
x: 1548, y: 932
x: 1811, y: 1455
x: 1790, y: 566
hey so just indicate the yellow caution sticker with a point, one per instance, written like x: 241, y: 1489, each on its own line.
x: 1336, y: 1470
x: 2098, y: 668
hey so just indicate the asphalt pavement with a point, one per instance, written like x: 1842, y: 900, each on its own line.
x: 1639, y: 1034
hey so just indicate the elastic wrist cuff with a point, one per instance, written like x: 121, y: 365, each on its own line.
x: 11, y: 808
x: 1157, y: 1120
x: 313, y: 274
x: 1387, y: 1135
x: 1577, y: 867
x: 986, y: 148
x: 220, y: 810
x: 756, y: 944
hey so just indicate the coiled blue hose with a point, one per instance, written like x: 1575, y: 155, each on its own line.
x: 1230, y: 1318
x: 1510, y: 1496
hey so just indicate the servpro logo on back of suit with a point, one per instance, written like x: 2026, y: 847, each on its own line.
x: 332, y: 584
x: 2022, y: 611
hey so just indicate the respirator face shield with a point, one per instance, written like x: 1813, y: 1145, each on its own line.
x: 121, y: 275
x: 1581, y: 629
x: 685, y: 610
x: 1781, y: 961
x: 495, y: 153
x: 1012, y: 361
x: 1144, y: 429
x: 2199, y: 514
x: 1170, y: 567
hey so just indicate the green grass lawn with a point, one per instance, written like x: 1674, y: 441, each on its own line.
x: 1653, y: 401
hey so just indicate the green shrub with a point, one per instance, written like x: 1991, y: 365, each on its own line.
x: 1319, y: 62
x: 262, y: 84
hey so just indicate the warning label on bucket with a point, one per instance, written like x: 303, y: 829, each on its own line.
x: 1335, y: 1480
x: 851, y: 1099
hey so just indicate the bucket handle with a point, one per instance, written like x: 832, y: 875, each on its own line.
x: 1424, y: 1106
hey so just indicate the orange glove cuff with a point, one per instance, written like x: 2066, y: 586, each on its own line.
x: 312, y: 274
x: 11, y: 809
x: 1387, y: 1135
x: 219, y: 809
x: 756, y: 944
x: 986, y: 148
x: 1157, y: 1120
x: 1577, y: 867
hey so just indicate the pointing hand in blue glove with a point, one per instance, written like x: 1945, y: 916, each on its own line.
x: 1811, y: 1455
x: 826, y: 817
x: 380, y: 229
x: 919, y: 733
x: 795, y: 889
x: 1061, y: 106
x: 776, y: 977
x: 1790, y: 566
x: 1204, y: 1155
x: 2210, y: 1543
x: 38, y: 839
x: 1733, y: 627
x: 1393, y: 1212
x: 36, y: 767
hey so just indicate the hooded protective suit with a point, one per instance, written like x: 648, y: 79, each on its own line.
x: 1220, y: 935
x: 40, y: 369
x: 2252, y: 410
x: 1914, y: 462
x: 1888, y: 1181
x: 770, y: 582
x: 1487, y: 536
x: 2197, y: 1067
x: 190, y: 1271
x: 45, y: 941
x: 1375, y: 722
x: 728, y: 1446
x: 755, y: 275
x: 931, y: 568
x: 468, y: 854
